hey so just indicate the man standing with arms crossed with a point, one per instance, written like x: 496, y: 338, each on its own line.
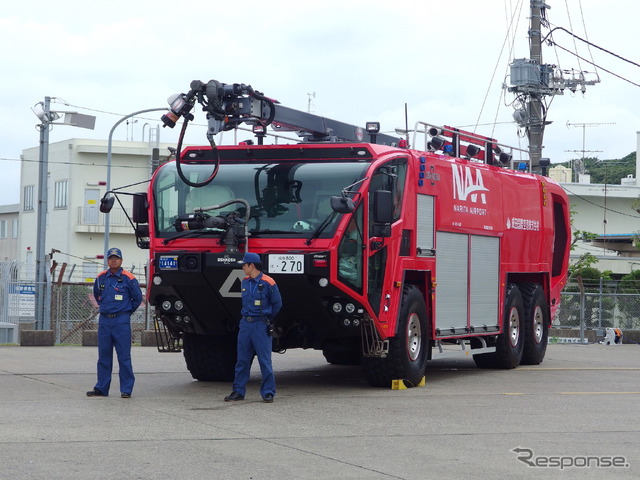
x: 118, y: 294
x: 261, y: 302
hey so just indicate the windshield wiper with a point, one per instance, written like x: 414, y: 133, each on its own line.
x: 325, y: 223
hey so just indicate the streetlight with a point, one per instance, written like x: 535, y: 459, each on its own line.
x: 106, y: 218
x: 43, y: 111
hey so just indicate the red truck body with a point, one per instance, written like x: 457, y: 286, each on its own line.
x: 463, y: 236
x: 384, y: 255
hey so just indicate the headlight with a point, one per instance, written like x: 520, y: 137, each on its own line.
x: 337, y: 307
x: 350, y: 308
x: 166, y: 305
x: 178, y: 305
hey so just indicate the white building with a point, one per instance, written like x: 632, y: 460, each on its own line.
x: 9, y: 230
x: 75, y: 229
x: 608, y: 211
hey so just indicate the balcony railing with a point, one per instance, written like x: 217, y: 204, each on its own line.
x: 88, y: 216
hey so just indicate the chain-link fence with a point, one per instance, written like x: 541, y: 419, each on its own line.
x: 586, y: 305
x: 75, y: 310
x: 599, y: 304
x: 73, y: 307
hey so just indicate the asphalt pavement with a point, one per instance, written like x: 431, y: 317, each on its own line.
x: 573, y: 416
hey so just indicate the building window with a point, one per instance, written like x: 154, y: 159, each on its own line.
x: 61, y: 194
x: 3, y: 229
x: 14, y: 228
x: 28, y: 198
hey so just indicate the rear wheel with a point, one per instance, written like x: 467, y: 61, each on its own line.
x: 408, y: 350
x: 210, y: 358
x: 537, y: 319
x: 510, y: 343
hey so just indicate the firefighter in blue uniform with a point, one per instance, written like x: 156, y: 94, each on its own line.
x: 118, y: 294
x: 261, y: 302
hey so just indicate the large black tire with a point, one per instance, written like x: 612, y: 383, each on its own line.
x: 510, y: 343
x: 210, y: 358
x: 342, y: 354
x: 408, y: 350
x: 537, y: 318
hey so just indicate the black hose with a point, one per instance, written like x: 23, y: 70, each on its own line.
x: 267, y: 122
x: 179, y: 154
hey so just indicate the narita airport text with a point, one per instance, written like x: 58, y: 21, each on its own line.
x: 471, y: 210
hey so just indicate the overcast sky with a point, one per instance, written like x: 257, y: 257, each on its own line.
x: 362, y: 60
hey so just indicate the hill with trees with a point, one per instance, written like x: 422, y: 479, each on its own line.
x: 605, y: 171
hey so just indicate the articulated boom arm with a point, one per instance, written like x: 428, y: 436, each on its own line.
x: 229, y: 105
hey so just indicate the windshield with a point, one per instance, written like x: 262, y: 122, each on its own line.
x: 285, y: 198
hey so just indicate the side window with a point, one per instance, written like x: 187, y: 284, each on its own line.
x: 398, y: 189
x: 350, y: 254
x: 391, y: 176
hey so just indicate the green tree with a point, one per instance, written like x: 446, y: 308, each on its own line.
x: 584, y: 279
x: 607, y: 171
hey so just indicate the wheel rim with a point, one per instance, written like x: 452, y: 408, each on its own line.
x: 538, y: 325
x: 514, y: 326
x: 414, y: 336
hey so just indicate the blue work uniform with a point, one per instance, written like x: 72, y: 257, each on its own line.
x: 261, y: 302
x: 118, y: 295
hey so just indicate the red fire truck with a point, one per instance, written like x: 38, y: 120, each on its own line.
x: 384, y: 255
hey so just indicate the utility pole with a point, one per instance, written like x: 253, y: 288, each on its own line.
x: 532, y: 81
x: 47, y: 118
x: 536, y: 119
x: 42, y: 316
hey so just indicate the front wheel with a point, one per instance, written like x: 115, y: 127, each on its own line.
x: 210, y: 358
x: 342, y: 353
x: 408, y: 350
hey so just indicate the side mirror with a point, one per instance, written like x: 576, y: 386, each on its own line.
x: 140, y: 211
x: 382, y: 207
x: 342, y: 204
x: 106, y: 203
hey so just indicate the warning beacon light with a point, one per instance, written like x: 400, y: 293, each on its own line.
x: 436, y: 143
x: 472, y: 150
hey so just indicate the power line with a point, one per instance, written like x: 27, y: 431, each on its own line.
x: 146, y: 166
x: 584, y: 27
x: 495, y: 68
x: 591, y: 44
x: 121, y: 115
x: 599, y: 206
x: 598, y: 66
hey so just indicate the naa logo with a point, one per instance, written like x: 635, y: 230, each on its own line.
x: 466, y: 187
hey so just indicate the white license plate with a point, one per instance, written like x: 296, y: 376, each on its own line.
x: 286, y: 263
